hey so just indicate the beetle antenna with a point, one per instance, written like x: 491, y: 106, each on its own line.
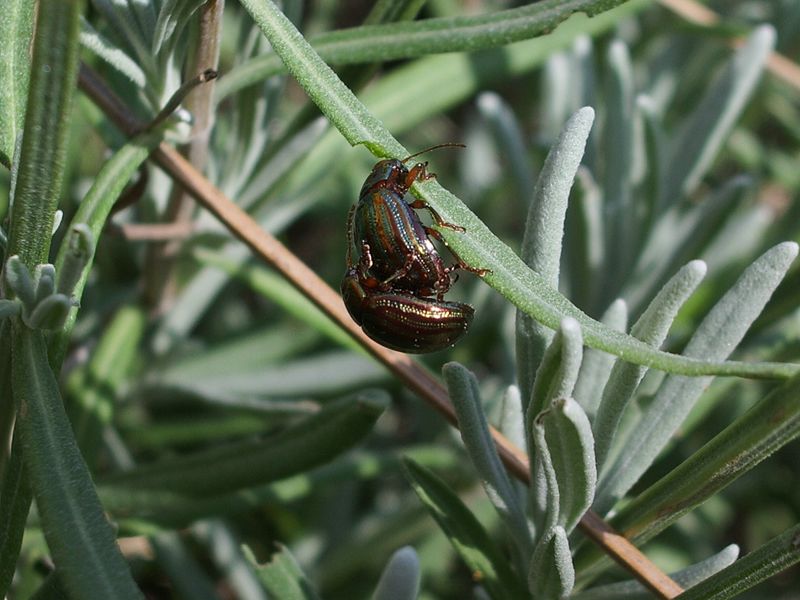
x: 445, y: 145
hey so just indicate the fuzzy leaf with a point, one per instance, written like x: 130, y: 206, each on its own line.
x: 16, y: 30
x: 596, y: 366
x: 92, y: 213
x: 652, y: 327
x: 558, y: 372
x: 488, y: 565
x: 512, y: 421
x: 465, y: 395
x: 80, y: 538
x: 401, y: 577
x: 568, y: 434
x: 19, y: 280
x: 44, y: 281
x: 96, y: 43
x: 692, y: 152
x: 8, y: 308
x: 773, y: 557
x: 544, y: 230
x: 545, y: 499
x: 618, y: 142
x: 80, y: 247
x: 51, y: 313
x: 766, y: 427
x: 551, y: 575
x: 633, y: 590
x: 418, y: 38
x: 715, y: 338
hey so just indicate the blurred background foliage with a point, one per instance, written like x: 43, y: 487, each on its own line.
x: 221, y: 355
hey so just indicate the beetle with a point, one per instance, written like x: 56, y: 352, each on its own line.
x: 401, y: 320
x: 395, y: 245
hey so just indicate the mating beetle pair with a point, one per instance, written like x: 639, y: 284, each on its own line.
x: 396, y: 290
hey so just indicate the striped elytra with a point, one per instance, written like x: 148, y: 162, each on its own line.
x: 389, y: 233
x: 402, y: 321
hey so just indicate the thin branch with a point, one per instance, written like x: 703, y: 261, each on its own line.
x: 153, y: 232
x: 411, y: 373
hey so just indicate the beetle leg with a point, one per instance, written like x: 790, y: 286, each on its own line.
x: 402, y: 271
x: 460, y: 264
x: 419, y: 172
x: 350, y: 225
x: 364, y: 265
x: 437, y: 218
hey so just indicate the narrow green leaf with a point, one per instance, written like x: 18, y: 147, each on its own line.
x: 545, y: 498
x: 173, y: 16
x: 281, y: 382
x: 585, y: 245
x: 652, y: 327
x: 176, y: 510
x: 693, y: 150
x: 544, y: 230
x: 41, y: 167
x: 633, y: 590
x: 681, y: 234
x: 16, y: 30
x: 79, y: 536
x: 430, y: 86
x: 80, y: 247
x: 15, y: 501
x: 93, y: 212
x: 276, y: 288
x: 555, y: 379
x: 568, y: 434
x: 551, y: 575
x: 378, y: 43
x: 618, y: 143
x: 715, y: 338
x: 510, y: 140
x: 125, y: 24
x: 96, y: 43
x: 558, y: 373
x: 769, y: 425
x: 484, y: 560
x: 512, y: 421
x: 110, y: 364
x: 773, y: 557
x: 313, y: 441
x: 282, y: 577
x: 596, y: 366
x: 465, y: 394
x: 401, y: 577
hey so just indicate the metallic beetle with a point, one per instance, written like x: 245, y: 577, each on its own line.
x: 403, y: 321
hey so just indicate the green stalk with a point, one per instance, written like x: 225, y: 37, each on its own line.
x: 41, y: 167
